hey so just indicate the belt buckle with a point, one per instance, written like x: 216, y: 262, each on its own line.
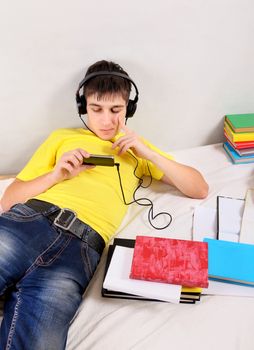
x: 62, y: 219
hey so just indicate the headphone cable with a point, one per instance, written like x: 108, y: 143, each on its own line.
x: 143, y: 201
x: 138, y: 201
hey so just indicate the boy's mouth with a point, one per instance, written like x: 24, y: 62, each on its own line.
x: 107, y: 130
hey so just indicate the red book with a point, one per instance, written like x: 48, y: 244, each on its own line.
x: 172, y: 261
x: 240, y: 144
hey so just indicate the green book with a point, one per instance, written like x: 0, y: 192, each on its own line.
x: 241, y: 122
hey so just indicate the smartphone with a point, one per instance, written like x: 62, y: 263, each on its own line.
x: 97, y: 159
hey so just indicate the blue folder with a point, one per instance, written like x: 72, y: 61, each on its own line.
x: 230, y: 261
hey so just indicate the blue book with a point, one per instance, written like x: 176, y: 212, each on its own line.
x: 230, y: 262
x: 235, y: 157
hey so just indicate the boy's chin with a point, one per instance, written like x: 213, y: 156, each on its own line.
x: 106, y: 136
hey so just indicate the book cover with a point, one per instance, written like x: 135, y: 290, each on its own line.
x: 204, y: 223
x: 235, y: 157
x: 230, y: 261
x: 230, y: 289
x: 245, y: 152
x: 240, y: 144
x: 188, y: 295
x: 242, y: 151
x: 173, y: 261
x: 229, y: 218
x: 241, y: 122
x: 237, y: 136
x: 247, y: 232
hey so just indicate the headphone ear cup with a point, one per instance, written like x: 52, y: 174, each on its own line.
x: 131, y: 109
x: 81, y: 104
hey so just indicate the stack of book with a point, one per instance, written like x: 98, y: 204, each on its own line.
x: 239, y: 132
x: 156, y: 269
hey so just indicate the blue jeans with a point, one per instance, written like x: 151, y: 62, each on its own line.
x: 44, y: 271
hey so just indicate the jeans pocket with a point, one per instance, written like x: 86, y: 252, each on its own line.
x: 21, y: 212
x: 90, y: 259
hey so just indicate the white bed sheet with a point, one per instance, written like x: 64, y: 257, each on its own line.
x: 217, y: 322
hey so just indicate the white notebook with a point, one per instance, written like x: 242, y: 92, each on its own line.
x: 229, y: 216
x: 230, y: 289
x: 247, y: 228
x: 117, y: 279
x: 204, y: 223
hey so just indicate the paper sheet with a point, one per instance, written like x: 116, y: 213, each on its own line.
x: 230, y: 212
x: 204, y: 223
x: 230, y: 289
x: 247, y: 227
x: 117, y: 279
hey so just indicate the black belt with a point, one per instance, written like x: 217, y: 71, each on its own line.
x: 67, y: 220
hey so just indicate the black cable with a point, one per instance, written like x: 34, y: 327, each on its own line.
x: 151, y: 215
x: 143, y: 201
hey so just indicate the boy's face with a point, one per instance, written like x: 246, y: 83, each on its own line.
x: 105, y: 114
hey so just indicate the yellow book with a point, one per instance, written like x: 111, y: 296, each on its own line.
x: 238, y: 136
x: 190, y: 293
x: 191, y: 290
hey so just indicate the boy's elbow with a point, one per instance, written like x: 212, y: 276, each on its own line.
x: 4, y: 205
x: 203, y: 191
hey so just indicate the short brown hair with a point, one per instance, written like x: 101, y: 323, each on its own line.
x: 107, y: 84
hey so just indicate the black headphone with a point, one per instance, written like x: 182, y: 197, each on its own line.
x: 81, y: 100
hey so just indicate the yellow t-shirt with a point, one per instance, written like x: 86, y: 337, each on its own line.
x: 95, y: 194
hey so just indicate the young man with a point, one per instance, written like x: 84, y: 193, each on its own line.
x: 49, y: 255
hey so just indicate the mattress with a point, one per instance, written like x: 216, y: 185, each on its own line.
x: 216, y: 322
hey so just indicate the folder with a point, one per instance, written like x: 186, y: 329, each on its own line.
x: 230, y: 262
x: 247, y: 227
x: 229, y: 218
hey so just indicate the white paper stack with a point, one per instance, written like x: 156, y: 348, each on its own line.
x: 117, y: 279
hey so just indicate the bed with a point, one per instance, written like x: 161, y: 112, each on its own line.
x: 216, y: 322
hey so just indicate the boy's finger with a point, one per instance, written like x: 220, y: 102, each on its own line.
x: 120, y: 122
x: 123, y: 126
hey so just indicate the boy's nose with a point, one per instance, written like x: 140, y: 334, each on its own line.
x: 107, y: 117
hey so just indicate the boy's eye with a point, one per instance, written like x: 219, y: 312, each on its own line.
x: 96, y: 110
x: 116, y: 110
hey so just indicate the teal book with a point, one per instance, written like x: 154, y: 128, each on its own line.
x: 235, y: 157
x: 230, y: 262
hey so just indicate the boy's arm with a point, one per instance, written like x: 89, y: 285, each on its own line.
x: 187, y: 179
x: 68, y: 166
x: 20, y: 191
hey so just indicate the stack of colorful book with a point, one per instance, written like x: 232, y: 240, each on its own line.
x: 239, y: 132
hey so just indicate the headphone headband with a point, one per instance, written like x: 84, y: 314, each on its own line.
x: 81, y: 101
x: 106, y: 72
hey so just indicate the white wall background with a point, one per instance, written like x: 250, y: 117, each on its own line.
x: 191, y: 59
